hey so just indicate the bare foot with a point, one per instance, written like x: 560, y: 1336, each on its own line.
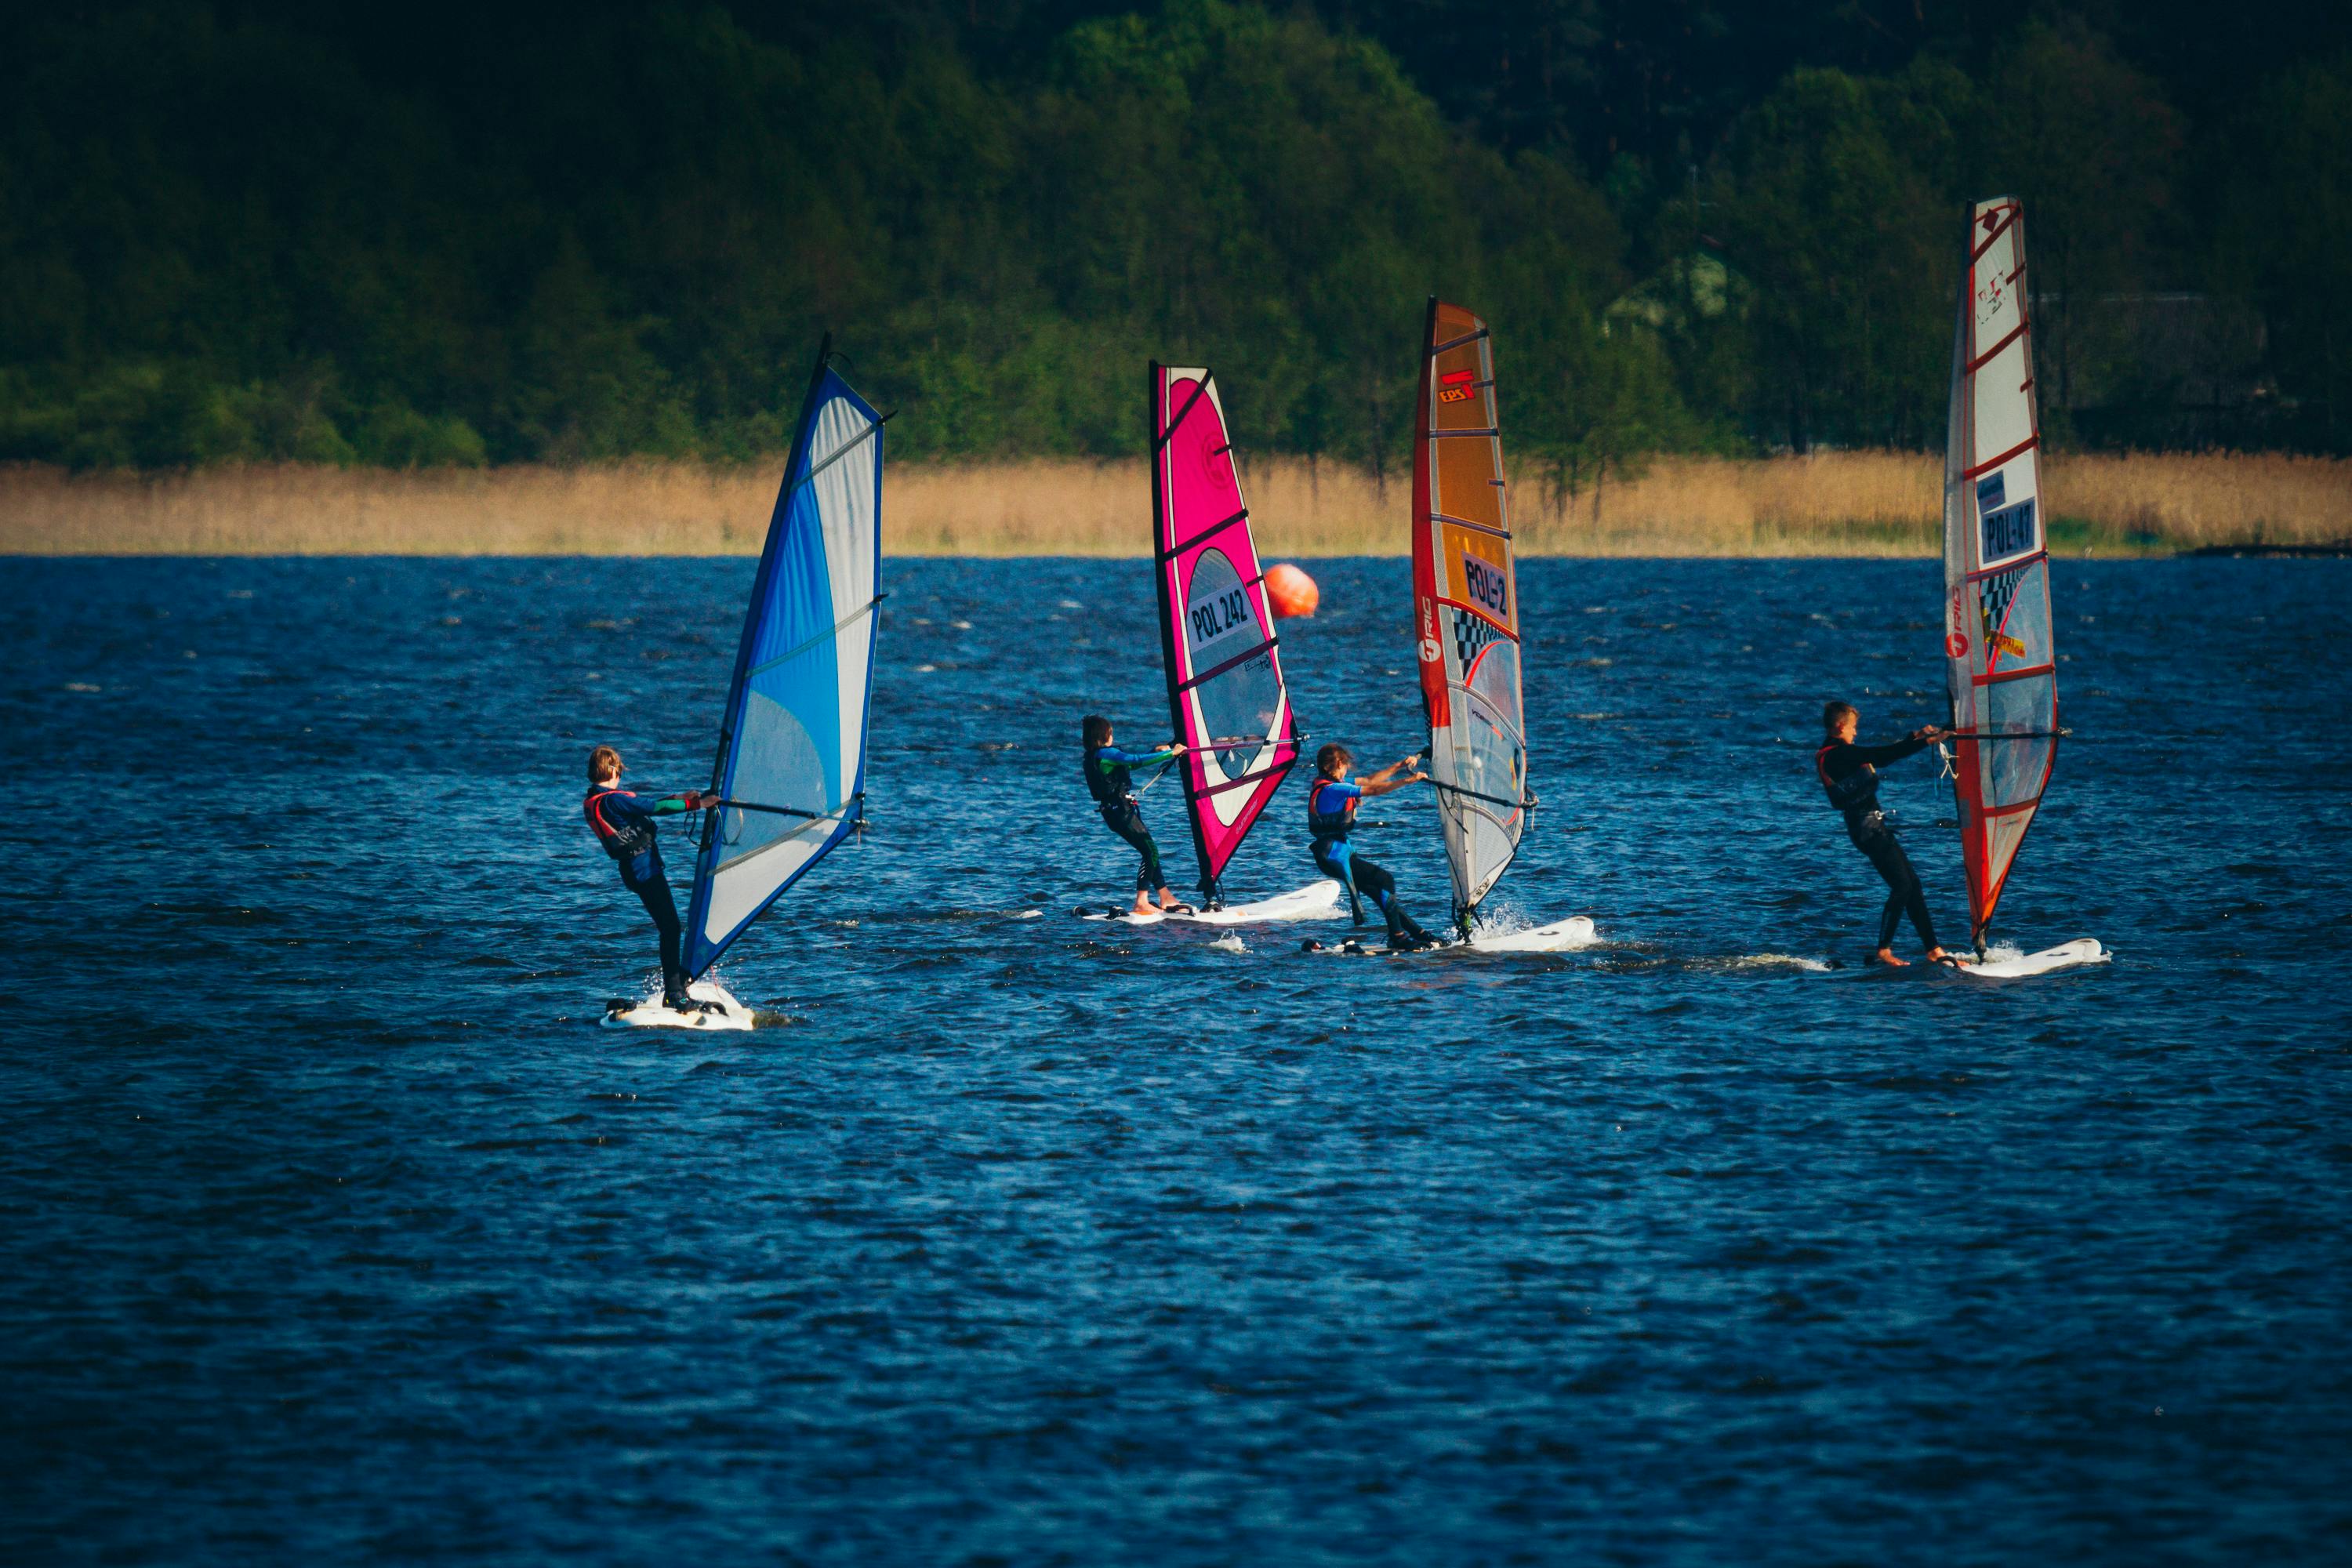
x: 1938, y: 955
x: 1166, y: 898
x: 1142, y: 906
x: 1887, y: 956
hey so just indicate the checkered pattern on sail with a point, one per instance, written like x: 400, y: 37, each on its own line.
x: 1471, y: 633
x: 1993, y: 594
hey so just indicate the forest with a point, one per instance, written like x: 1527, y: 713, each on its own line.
x: 444, y: 235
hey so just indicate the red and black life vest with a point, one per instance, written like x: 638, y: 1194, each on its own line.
x: 625, y: 842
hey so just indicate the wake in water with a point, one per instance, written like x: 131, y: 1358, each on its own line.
x: 1780, y: 961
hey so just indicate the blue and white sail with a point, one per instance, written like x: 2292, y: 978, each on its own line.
x: 792, y: 753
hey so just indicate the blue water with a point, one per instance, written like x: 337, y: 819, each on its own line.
x: 336, y: 1230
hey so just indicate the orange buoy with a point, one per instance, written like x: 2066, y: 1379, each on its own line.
x: 1291, y: 591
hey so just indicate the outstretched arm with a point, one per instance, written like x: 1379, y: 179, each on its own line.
x: 637, y: 808
x: 626, y: 806
x: 1896, y: 750
x: 1112, y: 757
x: 1386, y: 780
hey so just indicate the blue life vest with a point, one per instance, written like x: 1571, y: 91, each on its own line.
x: 1326, y: 826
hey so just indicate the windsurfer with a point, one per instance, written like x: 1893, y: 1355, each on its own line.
x: 1110, y: 779
x: 1331, y: 815
x: 623, y: 823
x: 1849, y: 773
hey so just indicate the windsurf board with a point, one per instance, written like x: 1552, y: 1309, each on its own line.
x: 2066, y: 955
x: 1316, y: 901
x: 1561, y: 936
x: 725, y: 1013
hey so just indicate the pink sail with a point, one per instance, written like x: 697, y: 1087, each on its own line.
x: 1223, y: 661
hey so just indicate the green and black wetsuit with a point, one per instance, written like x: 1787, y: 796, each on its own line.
x: 1112, y: 786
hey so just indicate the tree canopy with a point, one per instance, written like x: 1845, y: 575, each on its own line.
x: 444, y: 235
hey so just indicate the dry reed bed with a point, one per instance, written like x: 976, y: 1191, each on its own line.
x: 1843, y: 503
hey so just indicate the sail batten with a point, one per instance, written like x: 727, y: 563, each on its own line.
x: 1222, y: 658
x: 1466, y: 605
x: 2001, y: 665
x: 795, y: 726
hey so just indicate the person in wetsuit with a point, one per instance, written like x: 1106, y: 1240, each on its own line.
x: 624, y: 823
x: 1331, y: 803
x: 1849, y: 773
x: 1112, y: 785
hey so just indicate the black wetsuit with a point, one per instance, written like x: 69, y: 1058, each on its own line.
x: 1330, y: 817
x: 624, y: 824
x: 1113, y: 788
x: 1849, y: 774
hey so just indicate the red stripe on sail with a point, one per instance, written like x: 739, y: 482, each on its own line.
x: 1985, y: 358
x: 1988, y: 466
x: 1999, y: 230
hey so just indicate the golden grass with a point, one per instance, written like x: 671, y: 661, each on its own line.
x: 1841, y: 503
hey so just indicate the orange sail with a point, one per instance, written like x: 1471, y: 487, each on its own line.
x: 1466, y: 606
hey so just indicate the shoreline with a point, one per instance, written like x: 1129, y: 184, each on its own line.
x: 1829, y: 504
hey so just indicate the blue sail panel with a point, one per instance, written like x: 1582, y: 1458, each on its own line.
x: 791, y: 757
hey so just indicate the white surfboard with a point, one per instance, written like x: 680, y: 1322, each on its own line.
x: 1316, y: 901
x: 2066, y: 955
x: 725, y: 1013
x: 1561, y: 936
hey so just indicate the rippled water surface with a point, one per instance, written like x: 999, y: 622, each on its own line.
x: 336, y: 1230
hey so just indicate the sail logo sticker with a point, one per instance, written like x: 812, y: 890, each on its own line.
x: 2009, y: 531
x: 1990, y: 297
x: 1992, y: 492
x: 1487, y: 584
x: 1429, y: 651
x: 1456, y: 387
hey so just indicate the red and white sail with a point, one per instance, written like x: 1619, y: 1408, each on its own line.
x: 1218, y: 645
x: 1466, y: 606
x: 1996, y: 623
